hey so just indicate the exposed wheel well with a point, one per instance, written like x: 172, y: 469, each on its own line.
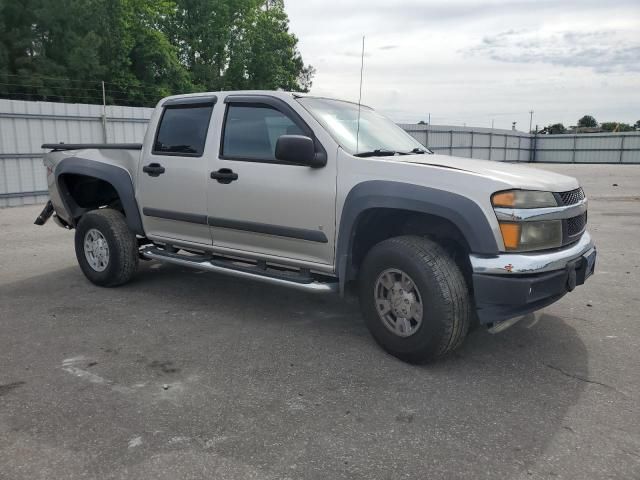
x: 378, y: 224
x: 84, y: 193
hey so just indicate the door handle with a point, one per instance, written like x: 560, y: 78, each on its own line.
x: 153, y: 169
x: 224, y: 175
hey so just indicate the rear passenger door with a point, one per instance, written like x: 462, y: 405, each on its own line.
x: 265, y: 206
x: 173, y: 180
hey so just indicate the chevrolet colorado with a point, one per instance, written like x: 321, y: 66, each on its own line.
x: 320, y: 195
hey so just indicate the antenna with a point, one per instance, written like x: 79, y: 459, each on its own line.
x: 360, y: 98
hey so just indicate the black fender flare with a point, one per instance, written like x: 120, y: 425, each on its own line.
x: 463, y: 212
x: 118, y: 177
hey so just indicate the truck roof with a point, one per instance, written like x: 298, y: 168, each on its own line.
x: 274, y: 93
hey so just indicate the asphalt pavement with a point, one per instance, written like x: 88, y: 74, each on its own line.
x: 189, y: 375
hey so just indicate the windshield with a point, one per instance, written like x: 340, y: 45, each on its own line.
x: 376, y: 134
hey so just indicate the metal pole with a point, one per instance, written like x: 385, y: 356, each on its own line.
x: 575, y: 142
x: 621, y: 148
x: 429, y: 118
x: 530, y: 120
x: 519, y: 144
x: 451, y: 142
x: 104, y: 114
x: 490, y: 144
x: 471, y: 143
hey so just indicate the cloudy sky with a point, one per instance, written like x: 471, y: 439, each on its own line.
x: 473, y: 62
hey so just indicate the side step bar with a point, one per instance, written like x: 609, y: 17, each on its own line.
x: 209, y: 264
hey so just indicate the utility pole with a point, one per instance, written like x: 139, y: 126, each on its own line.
x: 104, y: 113
x: 429, y: 122
x: 492, y: 123
x: 530, y: 120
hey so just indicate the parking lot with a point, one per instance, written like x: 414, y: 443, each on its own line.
x: 183, y: 374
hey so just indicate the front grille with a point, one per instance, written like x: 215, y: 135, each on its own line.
x: 576, y: 225
x: 571, y: 197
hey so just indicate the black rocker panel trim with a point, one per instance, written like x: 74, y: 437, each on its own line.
x: 253, y: 227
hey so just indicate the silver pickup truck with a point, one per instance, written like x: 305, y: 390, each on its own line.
x: 322, y: 195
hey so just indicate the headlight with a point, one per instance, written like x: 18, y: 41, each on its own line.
x: 523, y: 199
x: 527, y: 236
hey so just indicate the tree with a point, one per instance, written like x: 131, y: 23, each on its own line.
x: 637, y: 125
x: 556, y: 128
x: 264, y: 53
x: 422, y: 122
x: 305, y: 79
x: 587, y: 121
x: 145, y: 49
x: 141, y: 66
x: 202, y: 31
x: 238, y: 44
x: 616, y: 127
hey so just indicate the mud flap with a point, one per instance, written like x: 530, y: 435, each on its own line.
x: 46, y: 213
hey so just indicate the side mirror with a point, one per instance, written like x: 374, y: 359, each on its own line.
x: 298, y: 149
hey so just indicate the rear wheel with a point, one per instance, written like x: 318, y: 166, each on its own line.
x: 414, y: 299
x: 106, y: 249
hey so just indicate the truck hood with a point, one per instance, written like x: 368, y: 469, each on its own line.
x: 516, y: 176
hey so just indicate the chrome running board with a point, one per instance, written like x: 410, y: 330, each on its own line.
x: 248, y: 271
x: 501, y: 326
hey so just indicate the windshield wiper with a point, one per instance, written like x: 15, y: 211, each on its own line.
x: 416, y: 150
x: 379, y: 152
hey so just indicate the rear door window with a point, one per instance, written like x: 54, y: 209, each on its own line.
x: 183, y: 130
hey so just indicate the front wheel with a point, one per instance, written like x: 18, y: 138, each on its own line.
x: 106, y: 249
x: 414, y: 298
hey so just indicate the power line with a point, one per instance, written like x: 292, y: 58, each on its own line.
x: 124, y: 100
x: 86, y: 82
x: 112, y: 92
x: 30, y: 75
x: 48, y: 86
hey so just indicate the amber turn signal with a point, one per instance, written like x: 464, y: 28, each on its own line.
x: 510, y: 235
x: 504, y: 199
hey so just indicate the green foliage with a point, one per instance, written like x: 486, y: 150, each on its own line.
x: 61, y: 50
x: 616, y: 127
x: 587, y: 121
x: 637, y: 125
x: 555, y: 129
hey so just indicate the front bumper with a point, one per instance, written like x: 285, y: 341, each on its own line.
x: 512, y: 284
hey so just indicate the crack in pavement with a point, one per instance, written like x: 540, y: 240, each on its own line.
x: 584, y: 379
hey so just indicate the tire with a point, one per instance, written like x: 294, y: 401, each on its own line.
x: 119, y: 264
x: 439, y: 292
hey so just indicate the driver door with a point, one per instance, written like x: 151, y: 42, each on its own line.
x: 260, y: 205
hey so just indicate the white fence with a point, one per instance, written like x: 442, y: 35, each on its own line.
x: 513, y: 146
x: 474, y: 142
x: 24, y: 126
x: 588, y: 148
